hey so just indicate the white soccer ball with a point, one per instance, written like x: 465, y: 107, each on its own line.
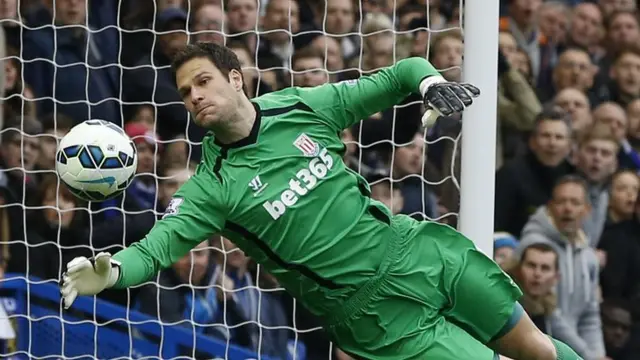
x: 96, y: 160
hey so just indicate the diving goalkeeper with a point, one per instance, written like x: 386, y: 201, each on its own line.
x: 272, y: 181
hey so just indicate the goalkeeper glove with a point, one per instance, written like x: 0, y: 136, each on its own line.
x: 444, y: 98
x: 88, y: 276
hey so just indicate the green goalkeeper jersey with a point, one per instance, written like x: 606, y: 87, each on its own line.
x: 283, y: 194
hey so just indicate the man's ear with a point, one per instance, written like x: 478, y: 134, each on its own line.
x: 235, y: 79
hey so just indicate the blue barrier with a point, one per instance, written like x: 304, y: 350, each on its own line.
x: 45, y: 330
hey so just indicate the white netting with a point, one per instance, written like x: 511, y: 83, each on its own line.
x: 120, y: 45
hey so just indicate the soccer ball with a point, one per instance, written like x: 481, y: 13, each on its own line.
x: 96, y: 160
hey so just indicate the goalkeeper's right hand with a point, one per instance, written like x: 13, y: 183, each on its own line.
x: 88, y: 276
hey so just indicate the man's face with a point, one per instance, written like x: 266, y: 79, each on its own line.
x: 242, y: 15
x: 524, y: 11
x: 192, y: 267
x: 538, y: 272
x: 575, y: 103
x: 147, y: 157
x: 281, y: 19
x: 614, y: 116
x: 391, y: 198
x: 408, y: 159
x: 611, y: 6
x: 174, y: 38
x: 586, y: 25
x: 574, y: 69
x: 71, y: 12
x: 331, y: 48
x: 209, y: 24
x: 551, y: 142
x: 616, y: 327
x: 380, y: 53
x: 340, y: 17
x: 633, y: 117
x: 624, y: 30
x: 448, y: 58
x: 20, y: 152
x: 210, y: 96
x: 171, y: 182
x: 233, y: 256
x: 626, y: 73
x: 553, y: 23
x: 624, y: 193
x: 502, y: 255
x: 507, y: 44
x: 568, y: 207
x: 597, y: 159
x: 309, y: 72
x: 520, y: 61
x: 48, y: 146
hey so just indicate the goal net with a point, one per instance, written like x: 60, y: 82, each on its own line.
x: 69, y: 61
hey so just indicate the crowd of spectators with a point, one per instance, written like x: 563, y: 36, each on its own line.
x: 567, y: 213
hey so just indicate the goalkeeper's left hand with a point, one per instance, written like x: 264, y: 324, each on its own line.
x: 444, y: 98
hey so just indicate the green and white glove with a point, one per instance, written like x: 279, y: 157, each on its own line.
x: 88, y: 276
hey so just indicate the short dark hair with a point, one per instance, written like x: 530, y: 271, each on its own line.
x: 308, y: 52
x: 573, y: 179
x: 221, y: 56
x: 17, y: 125
x: 57, y: 121
x: 542, y: 247
x: 552, y: 113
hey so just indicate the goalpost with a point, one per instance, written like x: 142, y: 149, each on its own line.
x: 97, y: 329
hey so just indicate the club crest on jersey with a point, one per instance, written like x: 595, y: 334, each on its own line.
x: 308, y: 147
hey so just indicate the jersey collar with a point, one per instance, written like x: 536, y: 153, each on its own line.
x: 253, y: 135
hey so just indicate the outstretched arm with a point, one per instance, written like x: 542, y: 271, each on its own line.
x: 195, y: 214
x: 347, y: 102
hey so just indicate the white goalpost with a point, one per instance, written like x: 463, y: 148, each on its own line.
x: 477, y: 183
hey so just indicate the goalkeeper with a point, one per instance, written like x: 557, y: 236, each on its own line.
x: 272, y: 181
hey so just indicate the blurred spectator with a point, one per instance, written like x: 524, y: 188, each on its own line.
x: 407, y: 164
x: 525, y: 183
x: 559, y: 225
x: 586, y: 28
x: 577, y: 105
x: 504, y: 246
x: 54, y: 127
x: 518, y: 107
x: 596, y: 162
x: 252, y: 77
x: 633, y: 128
x: 18, y: 156
x: 446, y: 54
x: 537, y: 274
x: 151, y: 81
x: 573, y: 70
x: 183, y: 294
x: 378, y: 45
x: 625, y: 76
x: 330, y: 47
x: 611, y: 6
x: 60, y: 224
x: 522, y: 23
x: 614, y: 116
x: 337, y: 18
x: 208, y: 24
x: 386, y: 191
x: 554, y: 18
x: 619, y: 244
x: 74, y: 66
x: 308, y: 68
x: 622, y: 32
x: 616, y: 328
x: 243, y: 21
x: 142, y: 189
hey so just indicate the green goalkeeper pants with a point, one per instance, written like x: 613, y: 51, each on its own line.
x: 436, y: 297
